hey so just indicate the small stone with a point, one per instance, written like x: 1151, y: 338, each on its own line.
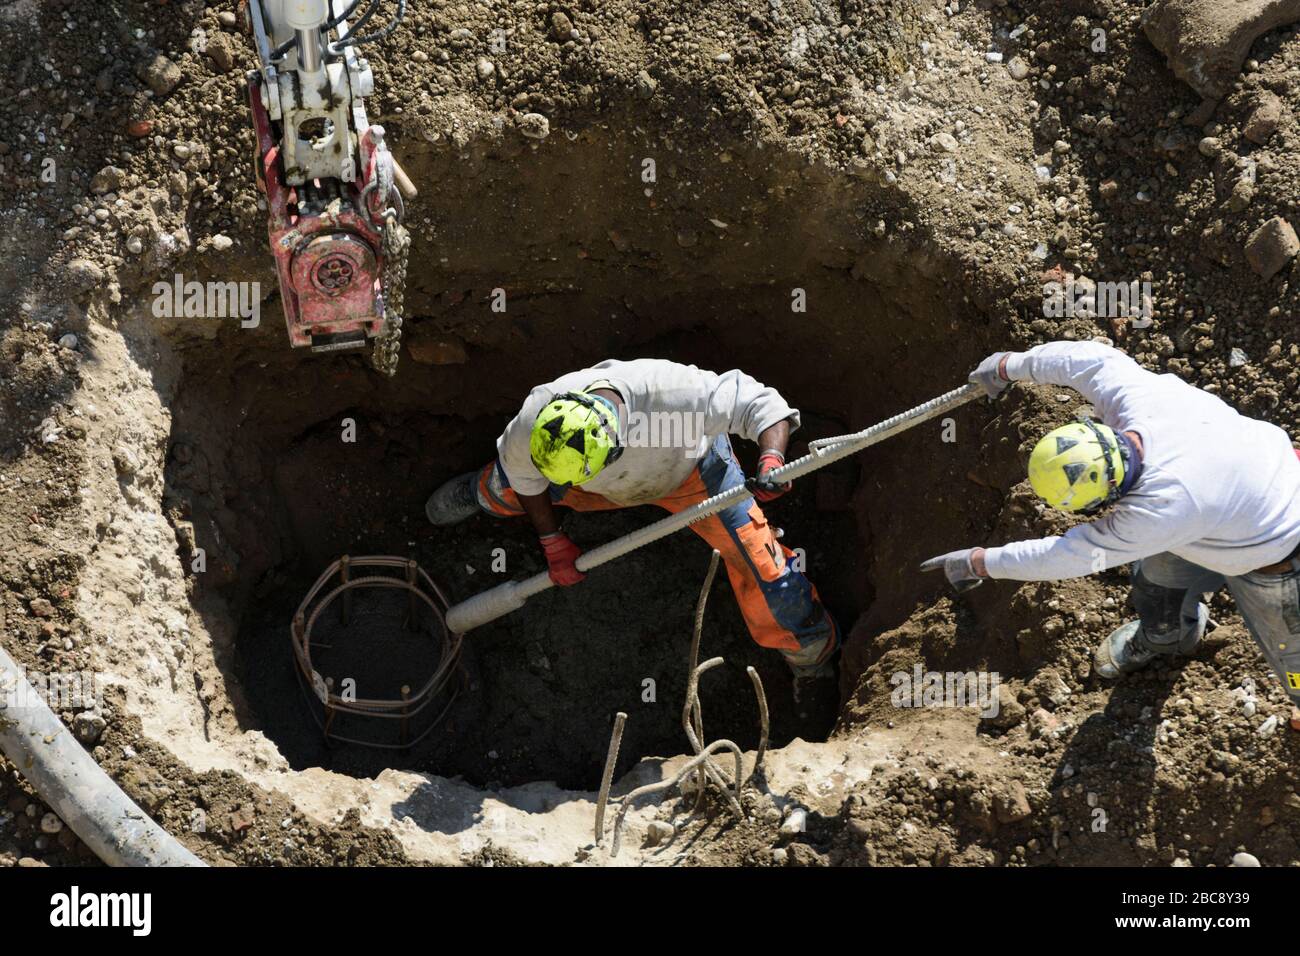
x: 645, y: 85
x: 107, y: 180
x: 221, y: 242
x: 221, y: 54
x: 801, y: 854
x: 1209, y: 146
x: 561, y: 27
x: 1267, y: 728
x: 1245, y: 859
x: 67, y: 340
x: 89, y: 727
x: 1243, y: 191
x: 534, y: 126
x: 1012, y: 805
x: 135, y: 245
x: 1271, y: 247
x: 182, y: 151
x: 160, y: 74
x: 51, y: 824
x: 41, y: 607
x: 795, y: 823
x: 82, y: 275
x: 1018, y: 68
x: 779, y: 856
x: 1109, y: 189
x: 1043, y: 723
x: 659, y: 833
x: 1009, y: 711
x: 1237, y: 358
x: 945, y: 141
x: 125, y: 461
x: 242, y: 819
x: 1264, y: 119
x: 485, y: 68
x: 227, y: 19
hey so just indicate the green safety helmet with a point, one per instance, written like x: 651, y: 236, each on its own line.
x: 1077, y: 467
x: 574, y: 436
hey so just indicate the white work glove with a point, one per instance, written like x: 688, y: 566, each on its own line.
x: 958, y: 568
x: 988, y: 376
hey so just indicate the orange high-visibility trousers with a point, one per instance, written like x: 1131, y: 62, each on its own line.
x: 780, y: 605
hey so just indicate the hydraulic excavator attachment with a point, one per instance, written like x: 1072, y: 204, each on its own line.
x: 334, y: 208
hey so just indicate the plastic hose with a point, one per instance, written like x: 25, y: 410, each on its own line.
x: 85, y: 798
x: 511, y: 596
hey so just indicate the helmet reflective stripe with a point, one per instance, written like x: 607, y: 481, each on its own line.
x: 1077, y: 467
x: 573, y: 438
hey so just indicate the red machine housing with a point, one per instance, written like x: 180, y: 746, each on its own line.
x: 329, y: 261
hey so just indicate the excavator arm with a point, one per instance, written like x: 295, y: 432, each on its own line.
x: 331, y: 185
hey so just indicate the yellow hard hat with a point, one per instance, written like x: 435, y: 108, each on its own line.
x: 574, y: 436
x: 1077, y: 467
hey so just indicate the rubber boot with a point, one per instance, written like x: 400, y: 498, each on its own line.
x: 454, y: 501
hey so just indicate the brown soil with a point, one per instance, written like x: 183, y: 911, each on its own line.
x: 867, y: 152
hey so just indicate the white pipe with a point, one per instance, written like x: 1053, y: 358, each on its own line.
x: 85, y: 798
x: 511, y: 596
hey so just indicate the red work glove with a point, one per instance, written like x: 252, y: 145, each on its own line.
x: 764, y: 489
x: 561, y: 553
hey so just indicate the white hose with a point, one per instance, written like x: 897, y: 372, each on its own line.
x: 85, y: 798
x: 511, y: 596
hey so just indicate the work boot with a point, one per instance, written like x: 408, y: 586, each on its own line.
x: 454, y: 501
x: 1123, y: 651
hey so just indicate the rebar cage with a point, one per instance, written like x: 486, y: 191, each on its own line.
x: 397, y: 720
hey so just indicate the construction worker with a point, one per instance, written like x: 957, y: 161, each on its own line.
x: 649, y: 431
x: 1202, y: 497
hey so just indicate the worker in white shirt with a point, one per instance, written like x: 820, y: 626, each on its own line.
x: 650, y: 431
x: 1201, y: 498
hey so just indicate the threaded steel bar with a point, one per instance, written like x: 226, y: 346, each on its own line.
x: 607, y: 778
x: 512, y: 595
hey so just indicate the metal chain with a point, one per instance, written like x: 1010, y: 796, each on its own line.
x: 397, y: 248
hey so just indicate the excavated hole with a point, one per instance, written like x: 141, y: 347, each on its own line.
x: 260, y: 468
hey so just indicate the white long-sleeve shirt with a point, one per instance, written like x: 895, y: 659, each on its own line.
x: 1217, y: 488
x: 671, y: 415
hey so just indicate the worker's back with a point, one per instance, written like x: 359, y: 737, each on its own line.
x: 671, y: 414
x: 1241, y: 474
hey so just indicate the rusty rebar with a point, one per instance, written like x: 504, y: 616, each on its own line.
x: 607, y: 778
x: 420, y: 588
x: 701, y: 768
x: 698, y: 760
x: 707, y: 767
x: 762, y: 720
x: 345, y: 575
x: 695, y: 708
